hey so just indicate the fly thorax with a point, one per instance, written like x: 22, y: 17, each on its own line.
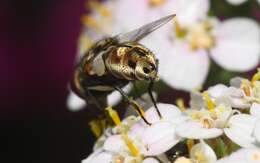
x: 117, y: 64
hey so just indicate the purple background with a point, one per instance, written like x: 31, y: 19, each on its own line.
x: 37, y: 46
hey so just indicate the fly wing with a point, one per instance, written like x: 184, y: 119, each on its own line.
x: 140, y: 33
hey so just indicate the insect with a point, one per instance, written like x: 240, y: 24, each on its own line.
x: 113, y: 62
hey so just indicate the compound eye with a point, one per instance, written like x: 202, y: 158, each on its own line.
x: 146, y: 70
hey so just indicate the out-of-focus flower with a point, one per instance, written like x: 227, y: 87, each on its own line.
x: 191, y: 47
x: 238, y: 2
x: 244, y: 155
x: 194, y: 38
x: 75, y: 103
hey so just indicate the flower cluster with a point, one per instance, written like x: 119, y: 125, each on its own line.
x: 187, y: 44
x: 217, y: 119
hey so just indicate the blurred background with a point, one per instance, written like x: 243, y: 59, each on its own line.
x: 38, y: 45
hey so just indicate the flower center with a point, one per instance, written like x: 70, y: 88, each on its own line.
x: 156, y: 3
x: 198, y: 36
x: 251, y: 88
x: 207, y: 123
x: 256, y: 156
x: 99, y: 7
x: 100, y: 22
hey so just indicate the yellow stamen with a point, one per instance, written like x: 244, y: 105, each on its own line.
x: 156, y: 3
x: 206, y: 123
x: 210, y: 104
x: 190, y: 143
x: 180, y: 32
x: 97, y: 127
x: 90, y: 22
x: 180, y: 104
x: 113, y: 114
x: 256, y: 76
x: 246, y: 87
x: 132, y: 148
x: 99, y: 7
x: 200, y: 37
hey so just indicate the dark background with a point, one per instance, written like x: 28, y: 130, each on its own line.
x: 37, y: 48
x: 38, y: 42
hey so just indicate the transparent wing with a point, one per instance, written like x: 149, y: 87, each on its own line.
x: 143, y: 31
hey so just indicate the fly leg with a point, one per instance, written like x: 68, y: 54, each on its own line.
x: 135, y: 105
x: 95, y: 101
x: 150, y: 87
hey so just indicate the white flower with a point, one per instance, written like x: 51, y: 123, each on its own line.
x: 238, y: 2
x: 202, y: 153
x: 255, y: 110
x: 244, y: 129
x: 205, y: 124
x: 161, y: 135
x: 186, y: 48
x: 199, y: 153
x: 99, y: 156
x: 244, y: 155
x: 248, y: 91
x: 213, y: 119
x: 74, y: 102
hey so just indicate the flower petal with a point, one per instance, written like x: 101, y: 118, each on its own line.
x: 159, y: 137
x: 217, y: 90
x: 237, y: 38
x: 257, y: 131
x: 150, y: 160
x: 240, y: 130
x: 244, y: 155
x: 188, y: 12
x: 197, y: 101
x: 129, y: 15
x: 168, y: 111
x: 203, y: 149
x: 236, y: 82
x: 99, y: 156
x: 194, y: 130
x: 115, y: 97
x: 182, y: 68
x: 255, y: 110
x: 115, y: 143
x: 74, y: 102
x: 236, y: 2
